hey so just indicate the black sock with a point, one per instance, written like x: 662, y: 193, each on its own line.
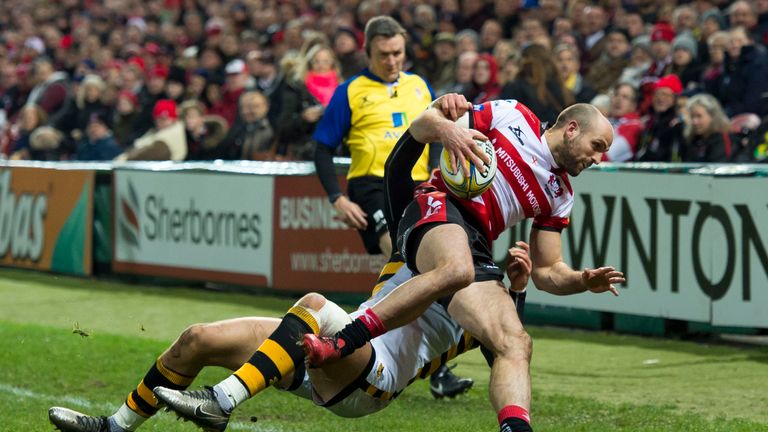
x: 514, y: 424
x: 355, y: 336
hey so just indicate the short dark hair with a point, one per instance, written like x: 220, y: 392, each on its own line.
x: 381, y: 26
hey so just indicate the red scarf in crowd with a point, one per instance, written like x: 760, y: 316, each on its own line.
x: 322, y: 85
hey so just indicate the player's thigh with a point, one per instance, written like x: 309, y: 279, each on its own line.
x: 230, y: 343
x: 486, y: 311
x: 441, y: 244
x: 432, y: 232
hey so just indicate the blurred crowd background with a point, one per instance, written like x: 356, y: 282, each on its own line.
x: 249, y: 79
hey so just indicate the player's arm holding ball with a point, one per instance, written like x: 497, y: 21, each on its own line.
x: 438, y: 123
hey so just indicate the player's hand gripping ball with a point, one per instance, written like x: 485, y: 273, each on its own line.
x: 477, y: 182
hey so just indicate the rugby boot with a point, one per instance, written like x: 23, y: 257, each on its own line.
x: 321, y: 350
x: 198, y: 406
x: 443, y: 383
x: 67, y: 420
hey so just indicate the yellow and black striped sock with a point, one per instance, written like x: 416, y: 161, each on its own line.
x: 279, y: 355
x: 390, y: 268
x: 142, y: 401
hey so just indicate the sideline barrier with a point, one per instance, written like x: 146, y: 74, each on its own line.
x: 691, y: 238
x: 693, y: 247
x: 247, y: 223
x: 46, y: 218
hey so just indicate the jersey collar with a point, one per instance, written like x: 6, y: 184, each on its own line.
x: 367, y: 72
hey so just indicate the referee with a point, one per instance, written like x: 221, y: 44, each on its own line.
x: 369, y: 113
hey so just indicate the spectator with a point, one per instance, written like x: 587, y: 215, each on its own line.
x: 126, y: 117
x: 633, y: 24
x: 662, y: 37
x: 509, y: 69
x: 262, y: 67
x: 507, y: 13
x: 467, y: 41
x: 761, y: 7
x: 347, y: 50
x: 539, y: 84
x: 685, y: 19
x: 530, y: 31
x: 151, y: 91
x: 627, y: 125
x: 234, y: 87
x: 299, y: 114
x: 661, y: 140
x: 712, y: 76
x: 484, y: 85
x: 707, y: 137
x: 490, y: 34
x: 744, y: 88
x: 661, y: 50
x: 30, y: 118
x: 45, y: 144
x: 607, y: 69
x: 475, y: 13
x: 684, y: 61
x: 320, y: 73
x: 203, y: 132
x: 550, y: 10
x: 595, y: 27
x: 465, y: 65
x: 98, y: 144
x: 639, y: 61
x: 742, y: 13
x: 440, y: 68
x: 712, y: 21
x: 176, y: 84
x: 568, y: 66
x: 14, y: 89
x: 195, y: 90
x: 503, y: 49
x: 166, y: 141
x: 88, y: 102
x: 51, y: 91
x: 252, y: 138
x: 266, y: 79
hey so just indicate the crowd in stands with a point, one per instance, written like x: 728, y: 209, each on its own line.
x: 249, y: 79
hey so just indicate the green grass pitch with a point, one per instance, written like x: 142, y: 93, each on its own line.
x: 582, y: 381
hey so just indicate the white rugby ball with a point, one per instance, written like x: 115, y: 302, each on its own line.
x: 477, y: 182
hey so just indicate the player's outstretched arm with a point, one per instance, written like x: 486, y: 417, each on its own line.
x: 553, y: 275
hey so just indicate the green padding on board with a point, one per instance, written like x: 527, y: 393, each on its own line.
x: 69, y: 250
x: 102, y: 224
x: 640, y: 325
x: 562, y: 316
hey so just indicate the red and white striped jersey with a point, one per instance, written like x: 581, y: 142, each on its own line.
x: 528, y: 183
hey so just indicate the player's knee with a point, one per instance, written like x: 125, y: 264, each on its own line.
x: 312, y: 301
x: 514, y: 345
x: 456, y: 274
x: 194, y: 341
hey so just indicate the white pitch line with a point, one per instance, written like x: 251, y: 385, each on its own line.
x: 79, y: 402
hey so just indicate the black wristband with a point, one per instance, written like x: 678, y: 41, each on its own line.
x: 334, y: 197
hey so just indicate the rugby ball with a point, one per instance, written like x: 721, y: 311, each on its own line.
x: 477, y: 182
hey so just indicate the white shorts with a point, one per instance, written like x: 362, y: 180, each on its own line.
x: 400, y: 355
